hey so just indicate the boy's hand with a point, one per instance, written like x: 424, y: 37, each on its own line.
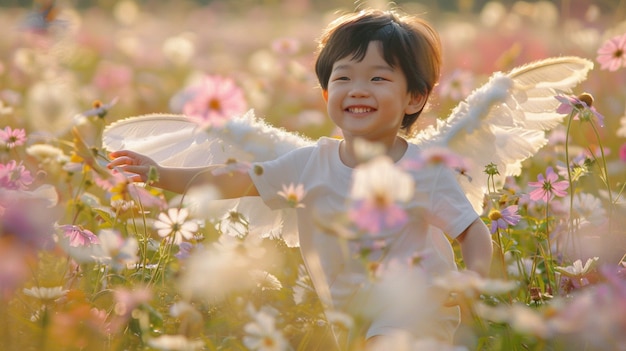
x: 131, y: 162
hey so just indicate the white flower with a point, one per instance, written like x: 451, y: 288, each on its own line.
x: 293, y: 194
x: 380, y: 178
x: 621, y: 132
x: 43, y: 293
x: 577, y: 269
x: 265, y: 280
x: 303, y: 287
x: 46, y: 153
x: 174, y: 223
x: 262, y: 334
x: 366, y: 150
x: 175, y: 343
x: 233, y: 223
x: 117, y: 251
x: 340, y: 319
x: 588, y: 207
x: 215, y: 271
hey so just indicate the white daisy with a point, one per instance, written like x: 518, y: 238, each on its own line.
x: 175, y: 225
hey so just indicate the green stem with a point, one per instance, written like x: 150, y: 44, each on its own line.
x: 569, y: 180
x: 605, y: 172
x: 549, y: 270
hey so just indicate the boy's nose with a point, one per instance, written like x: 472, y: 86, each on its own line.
x: 358, y: 90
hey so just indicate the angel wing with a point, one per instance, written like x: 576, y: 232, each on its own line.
x: 505, y: 121
x: 178, y: 141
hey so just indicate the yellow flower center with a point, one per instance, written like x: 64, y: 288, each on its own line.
x: 215, y: 104
x: 495, y: 215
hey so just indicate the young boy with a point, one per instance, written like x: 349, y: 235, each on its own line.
x: 376, y: 70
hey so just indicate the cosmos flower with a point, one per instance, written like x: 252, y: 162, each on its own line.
x: 546, y: 188
x: 174, y: 225
x: 79, y: 236
x: 438, y: 155
x: 117, y: 251
x: 213, y: 100
x: 99, y: 109
x: 262, y: 334
x: 612, y: 54
x: 233, y: 223
x: 12, y: 137
x: 587, y: 207
x: 123, y: 191
x: 378, y: 187
x: 577, y: 269
x: 46, y: 294
x: 581, y: 106
x: 265, y: 280
x: 175, y: 343
x: 503, y: 219
x: 293, y: 194
x: 286, y: 46
x: 126, y: 301
x: 622, y: 152
x: 14, y: 176
x: 457, y: 85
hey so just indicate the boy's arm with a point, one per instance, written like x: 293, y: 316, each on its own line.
x: 179, y: 180
x: 476, y: 247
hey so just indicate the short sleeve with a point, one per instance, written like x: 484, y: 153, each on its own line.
x: 450, y: 209
x: 269, y: 177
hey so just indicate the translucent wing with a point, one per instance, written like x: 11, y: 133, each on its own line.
x: 178, y: 141
x: 505, y: 121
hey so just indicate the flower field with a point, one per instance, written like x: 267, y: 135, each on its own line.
x: 92, y: 261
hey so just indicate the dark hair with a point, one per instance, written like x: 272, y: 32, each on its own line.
x: 407, y: 41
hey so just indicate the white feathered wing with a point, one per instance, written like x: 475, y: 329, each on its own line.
x: 178, y: 141
x: 504, y: 122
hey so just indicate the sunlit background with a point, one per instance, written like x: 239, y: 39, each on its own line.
x: 61, y: 61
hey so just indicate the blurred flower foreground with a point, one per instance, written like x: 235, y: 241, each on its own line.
x: 89, y: 261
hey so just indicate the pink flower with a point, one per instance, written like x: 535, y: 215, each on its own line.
x: 612, y: 54
x: 548, y: 187
x: 378, y: 189
x: 622, y: 152
x: 581, y: 106
x: 374, y: 214
x: 438, y: 155
x: 286, y: 46
x: 14, y: 176
x: 79, y: 236
x: 214, y: 100
x: 457, y: 85
x: 12, y: 137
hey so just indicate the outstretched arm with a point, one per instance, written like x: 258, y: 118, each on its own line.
x: 179, y: 180
x: 476, y: 247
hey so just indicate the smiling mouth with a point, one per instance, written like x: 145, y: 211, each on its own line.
x: 359, y: 109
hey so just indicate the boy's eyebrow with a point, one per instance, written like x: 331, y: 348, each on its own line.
x: 375, y: 67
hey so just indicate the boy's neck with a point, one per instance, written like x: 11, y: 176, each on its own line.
x: 395, y: 149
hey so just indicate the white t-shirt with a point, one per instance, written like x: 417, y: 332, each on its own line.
x: 342, y: 275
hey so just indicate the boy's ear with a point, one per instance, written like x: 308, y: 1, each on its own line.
x: 416, y: 104
x: 325, y: 95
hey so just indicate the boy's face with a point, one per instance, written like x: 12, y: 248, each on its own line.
x: 369, y: 98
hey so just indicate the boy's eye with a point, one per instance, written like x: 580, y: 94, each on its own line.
x: 378, y: 79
